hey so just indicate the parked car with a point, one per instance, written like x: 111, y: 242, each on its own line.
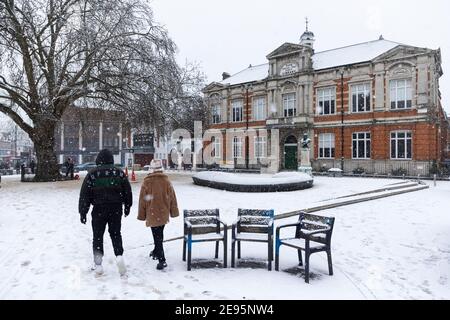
x: 63, y: 169
x: 85, y: 166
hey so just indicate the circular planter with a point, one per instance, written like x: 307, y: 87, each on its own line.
x: 248, y: 183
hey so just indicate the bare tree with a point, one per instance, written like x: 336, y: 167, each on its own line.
x: 172, y: 101
x: 59, y: 53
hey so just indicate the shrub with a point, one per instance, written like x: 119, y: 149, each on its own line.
x: 399, y: 172
x: 359, y: 170
x: 434, y: 168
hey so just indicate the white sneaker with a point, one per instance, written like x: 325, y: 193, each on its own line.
x: 121, y: 266
x: 98, y: 269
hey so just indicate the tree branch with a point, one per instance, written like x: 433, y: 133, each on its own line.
x: 16, y: 118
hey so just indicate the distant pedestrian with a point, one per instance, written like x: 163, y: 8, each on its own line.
x: 32, y: 166
x: 157, y: 202
x: 106, y: 188
x: 22, y: 172
x: 70, y: 167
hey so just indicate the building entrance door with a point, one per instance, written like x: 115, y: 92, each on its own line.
x: 291, y: 153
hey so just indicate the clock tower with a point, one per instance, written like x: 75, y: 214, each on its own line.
x: 307, y: 38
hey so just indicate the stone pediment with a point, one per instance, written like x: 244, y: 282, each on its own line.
x: 213, y: 86
x: 285, y: 49
x: 401, y: 52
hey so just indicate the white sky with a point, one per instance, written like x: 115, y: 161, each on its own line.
x: 228, y: 35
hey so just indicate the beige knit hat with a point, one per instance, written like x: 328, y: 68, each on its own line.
x: 156, y: 165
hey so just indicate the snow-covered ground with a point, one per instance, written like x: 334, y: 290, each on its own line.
x: 392, y: 248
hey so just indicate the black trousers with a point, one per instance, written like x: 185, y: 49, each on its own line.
x: 158, y: 238
x: 111, y: 216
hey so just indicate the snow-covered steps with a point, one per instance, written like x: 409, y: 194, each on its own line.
x: 388, y: 191
x: 394, y: 186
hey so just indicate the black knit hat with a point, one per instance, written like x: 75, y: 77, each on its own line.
x: 105, y: 157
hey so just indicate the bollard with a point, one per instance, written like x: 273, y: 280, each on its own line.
x: 435, y: 178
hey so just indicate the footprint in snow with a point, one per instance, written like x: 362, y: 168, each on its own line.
x: 25, y: 263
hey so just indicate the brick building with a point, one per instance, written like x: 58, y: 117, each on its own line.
x: 83, y: 132
x: 374, y: 106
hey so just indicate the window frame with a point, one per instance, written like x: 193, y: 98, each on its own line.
x: 365, y: 140
x: 322, y: 96
x: 285, y: 101
x: 235, y: 108
x: 321, y: 146
x: 369, y: 89
x: 405, y: 140
x: 259, y: 109
x: 216, y: 111
x: 237, y: 146
x: 260, y: 144
x: 393, y: 98
x: 216, y: 147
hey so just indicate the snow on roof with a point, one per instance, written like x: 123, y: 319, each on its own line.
x: 357, y: 53
x: 361, y: 52
x: 249, y: 74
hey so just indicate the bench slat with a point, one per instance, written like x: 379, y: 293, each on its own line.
x: 252, y: 229
x: 251, y: 220
x: 255, y: 212
x: 200, y: 213
x: 202, y: 220
x: 204, y: 229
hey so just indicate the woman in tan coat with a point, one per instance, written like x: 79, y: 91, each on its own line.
x: 157, y: 203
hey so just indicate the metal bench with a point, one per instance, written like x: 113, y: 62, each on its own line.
x: 313, y: 234
x: 203, y: 226
x: 254, y: 226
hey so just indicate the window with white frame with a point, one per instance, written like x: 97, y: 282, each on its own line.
x: 401, y: 145
x: 260, y: 147
x: 326, y: 101
x: 237, y: 147
x: 326, y: 146
x: 360, y: 97
x: 215, y: 152
x: 215, y: 110
x: 289, y: 102
x: 259, y: 108
x: 401, y: 94
x: 361, y: 145
x: 237, y: 107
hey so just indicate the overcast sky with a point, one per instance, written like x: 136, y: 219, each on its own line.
x: 228, y: 35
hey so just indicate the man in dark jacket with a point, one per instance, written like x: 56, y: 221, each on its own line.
x: 32, y: 166
x: 106, y: 188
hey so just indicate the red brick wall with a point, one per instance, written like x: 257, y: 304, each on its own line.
x: 425, y: 145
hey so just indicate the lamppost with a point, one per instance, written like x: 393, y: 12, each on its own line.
x: 342, y: 119
x: 247, y: 116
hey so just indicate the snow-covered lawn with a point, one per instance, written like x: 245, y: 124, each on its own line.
x: 393, y: 248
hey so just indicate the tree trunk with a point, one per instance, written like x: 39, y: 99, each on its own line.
x: 44, y: 144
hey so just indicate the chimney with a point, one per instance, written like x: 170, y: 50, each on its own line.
x: 225, y: 75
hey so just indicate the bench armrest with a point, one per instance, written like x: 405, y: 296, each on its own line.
x: 308, y: 234
x: 188, y: 224
x: 288, y: 225
x: 223, y: 223
x: 270, y: 227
